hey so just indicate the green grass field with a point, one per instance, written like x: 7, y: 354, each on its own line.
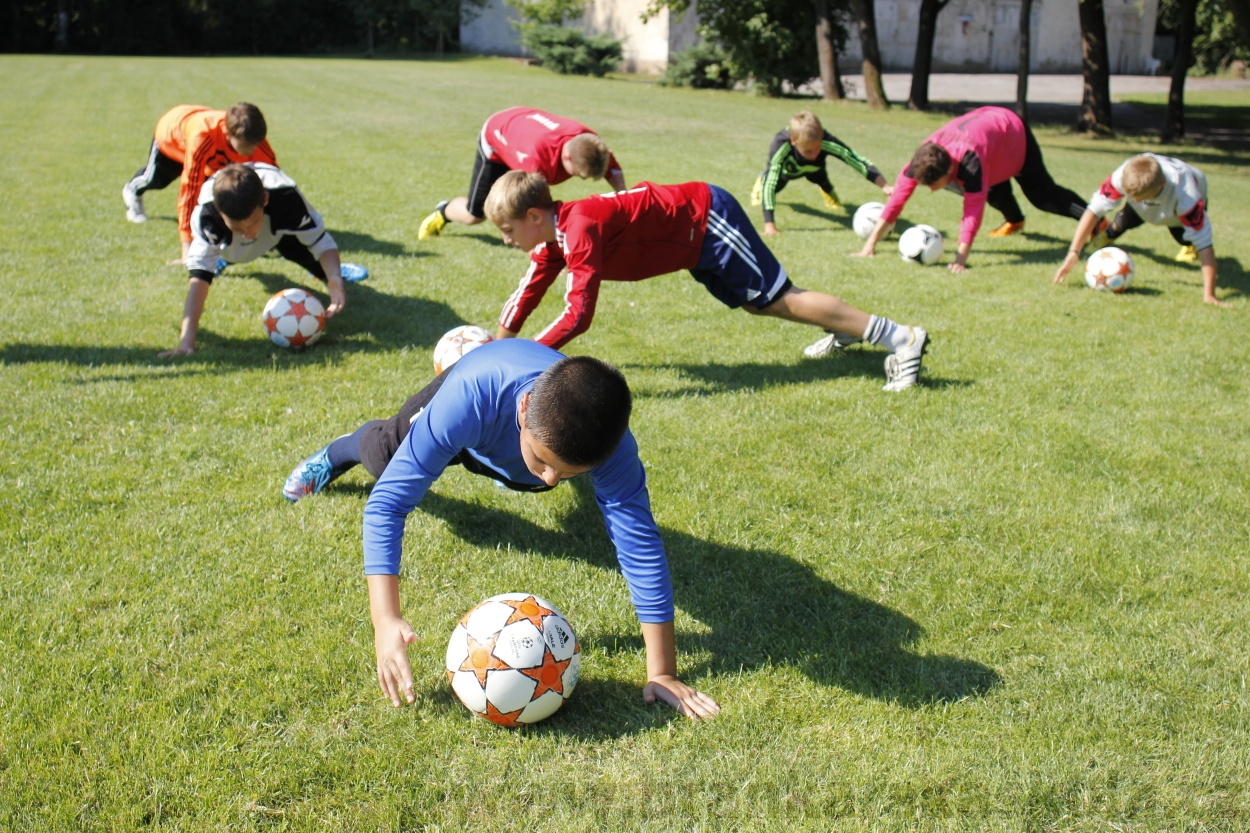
x: 1012, y: 599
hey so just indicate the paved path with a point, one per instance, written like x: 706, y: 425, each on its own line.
x: 1043, y: 89
x: 1055, y: 99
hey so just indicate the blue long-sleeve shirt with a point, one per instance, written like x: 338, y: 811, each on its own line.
x: 475, y: 411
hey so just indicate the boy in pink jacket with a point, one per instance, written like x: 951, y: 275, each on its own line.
x: 977, y: 155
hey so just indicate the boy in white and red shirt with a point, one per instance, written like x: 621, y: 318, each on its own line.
x: 1159, y: 190
x: 977, y: 155
x: 652, y: 230
x: 525, y: 139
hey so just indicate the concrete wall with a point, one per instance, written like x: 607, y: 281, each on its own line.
x: 645, y: 47
x: 972, y: 35
x: 983, y: 36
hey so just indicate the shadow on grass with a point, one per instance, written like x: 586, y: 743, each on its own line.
x: 761, y: 608
x: 486, y: 237
x: 352, y: 241
x: 373, y: 321
x: 843, y: 220
x: 713, y: 379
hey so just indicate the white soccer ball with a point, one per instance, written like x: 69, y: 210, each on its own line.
x: 866, y: 217
x: 1109, y: 270
x: 921, y: 244
x: 513, y: 659
x: 294, y: 318
x: 456, y: 342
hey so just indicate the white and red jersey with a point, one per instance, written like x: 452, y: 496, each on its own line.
x: 987, y: 147
x: 1182, y: 202
x: 530, y: 140
x: 630, y: 235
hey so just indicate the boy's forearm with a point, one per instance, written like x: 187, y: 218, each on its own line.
x: 192, y: 309
x: 383, y: 598
x: 1207, y: 258
x: 658, y: 637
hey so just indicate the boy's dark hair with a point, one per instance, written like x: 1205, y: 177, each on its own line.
x: 579, y: 408
x: 930, y: 163
x: 244, y: 121
x: 238, y: 191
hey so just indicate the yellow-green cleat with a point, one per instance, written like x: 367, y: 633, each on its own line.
x: 757, y: 190
x: 1187, y: 254
x: 432, y: 226
x: 832, y: 201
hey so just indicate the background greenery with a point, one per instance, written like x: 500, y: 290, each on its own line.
x: 1012, y: 599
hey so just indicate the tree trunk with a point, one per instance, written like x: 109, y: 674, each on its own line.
x: 874, y: 90
x: 1022, y: 72
x: 1174, y: 120
x: 922, y: 64
x: 62, y: 27
x: 1095, y: 113
x: 830, y: 78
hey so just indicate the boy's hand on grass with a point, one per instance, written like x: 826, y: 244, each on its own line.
x: 177, y: 351
x: 390, y: 643
x: 338, y: 298
x: 1066, y: 267
x: 867, y: 251
x: 770, y: 230
x: 688, y: 701
x: 1211, y: 299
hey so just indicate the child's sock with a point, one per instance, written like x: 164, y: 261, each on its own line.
x: 885, y: 333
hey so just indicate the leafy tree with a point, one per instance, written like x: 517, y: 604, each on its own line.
x: 1218, y: 36
x: 758, y: 37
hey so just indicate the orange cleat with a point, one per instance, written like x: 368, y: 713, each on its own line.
x: 1008, y: 228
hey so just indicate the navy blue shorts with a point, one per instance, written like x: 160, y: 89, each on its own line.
x: 734, y: 264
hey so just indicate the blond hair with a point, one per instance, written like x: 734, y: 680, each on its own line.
x: 805, y: 128
x: 514, y: 194
x: 1141, y: 175
x: 588, y: 155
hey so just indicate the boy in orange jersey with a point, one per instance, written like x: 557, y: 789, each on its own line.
x: 195, y: 142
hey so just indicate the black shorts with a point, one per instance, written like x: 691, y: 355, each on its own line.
x: 485, y: 174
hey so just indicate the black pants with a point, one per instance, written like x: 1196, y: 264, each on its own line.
x: 1039, y: 188
x: 159, y: 171
x: 296, y: 252
x: 1129, y: 219
x: 818, y: 178
x: 380, y: 439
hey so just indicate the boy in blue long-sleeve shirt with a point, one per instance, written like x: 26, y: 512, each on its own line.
x: 528, y: 417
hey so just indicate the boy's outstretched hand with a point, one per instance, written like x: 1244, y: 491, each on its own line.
x: 688, y: 701
x: 390, y: 641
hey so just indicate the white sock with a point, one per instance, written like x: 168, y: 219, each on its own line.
x: 885, y: 333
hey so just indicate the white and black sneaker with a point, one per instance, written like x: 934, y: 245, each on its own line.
x: 902, y: 367
x: 134, y: 205
x: 830, y: 344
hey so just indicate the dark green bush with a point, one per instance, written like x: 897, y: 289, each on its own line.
x: 569, y: 52
x: 703, y: 67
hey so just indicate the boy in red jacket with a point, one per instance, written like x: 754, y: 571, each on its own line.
x: 652, y: 230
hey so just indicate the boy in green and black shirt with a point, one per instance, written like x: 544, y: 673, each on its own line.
x: 800, y: 151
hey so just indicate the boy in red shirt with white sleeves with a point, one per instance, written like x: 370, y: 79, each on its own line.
x: 652, y: 230
x: 525, y: 139
x: 977, y: 155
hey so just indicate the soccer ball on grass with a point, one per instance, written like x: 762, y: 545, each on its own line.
x: 921, y: 244
x: 513, y: 659
x: 456, y: 342
x: 1109, y: 270
x: 865, y: 219
x: 294, y: 318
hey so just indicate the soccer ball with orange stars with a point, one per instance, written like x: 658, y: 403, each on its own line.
x: 1109, y: 270
x: 513, y: 659
x: 294, y: 318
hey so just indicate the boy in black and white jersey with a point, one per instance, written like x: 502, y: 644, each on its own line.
x: 245, y: 211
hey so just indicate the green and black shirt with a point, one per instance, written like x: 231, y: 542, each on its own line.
x: 785, y: 164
